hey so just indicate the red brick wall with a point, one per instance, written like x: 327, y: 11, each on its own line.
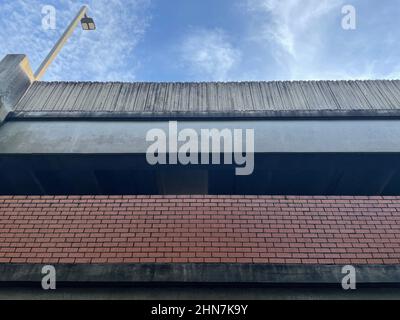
x: 264, y: 229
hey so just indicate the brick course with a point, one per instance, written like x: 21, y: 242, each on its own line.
x: 242, y: 229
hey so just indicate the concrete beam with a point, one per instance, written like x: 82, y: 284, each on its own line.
x: 211, y: 273
x: 129, y: 137
x: 15, y: 78
x: 208, y: 115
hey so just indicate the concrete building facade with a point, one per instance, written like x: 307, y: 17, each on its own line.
x: 77, y: 192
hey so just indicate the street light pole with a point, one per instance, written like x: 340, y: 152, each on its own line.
x: 60, y: 43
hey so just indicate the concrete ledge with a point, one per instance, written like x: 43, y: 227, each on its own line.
x: 245, y: 115
x: 129, y: 137
x: 224, y: 273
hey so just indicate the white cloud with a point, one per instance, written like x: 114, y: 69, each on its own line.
x: 106, y: 54
x: 294, y: 31
x: 209, y: 54
x: 306, y: 40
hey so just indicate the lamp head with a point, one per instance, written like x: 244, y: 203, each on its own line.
x: 88, y: 23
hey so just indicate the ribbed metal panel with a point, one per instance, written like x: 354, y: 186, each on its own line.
x: 242, y: 97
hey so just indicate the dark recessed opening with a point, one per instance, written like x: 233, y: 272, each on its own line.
x: 274, y: 174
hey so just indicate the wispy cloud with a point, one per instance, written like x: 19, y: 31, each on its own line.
x: 295, y: 31
x: 306, y: 39
x: 291, y: 21
x: 101, y: 55
x: 209, y: 54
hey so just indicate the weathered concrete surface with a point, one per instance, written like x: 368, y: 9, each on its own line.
x: 129, y: 137
x: 232, y: 99
x: 199, y: 281
x: 216, y: 273
x: 15, y: 78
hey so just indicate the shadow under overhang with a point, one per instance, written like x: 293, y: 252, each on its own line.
x: 274, y: 174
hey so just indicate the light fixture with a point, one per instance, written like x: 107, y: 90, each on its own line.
x: 88, y: 23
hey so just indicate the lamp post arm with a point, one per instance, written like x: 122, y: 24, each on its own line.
x: 60, y: 43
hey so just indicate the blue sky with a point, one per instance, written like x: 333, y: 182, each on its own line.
x: 209, y: 40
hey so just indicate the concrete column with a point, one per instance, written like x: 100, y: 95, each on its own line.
x: 15, y: 78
